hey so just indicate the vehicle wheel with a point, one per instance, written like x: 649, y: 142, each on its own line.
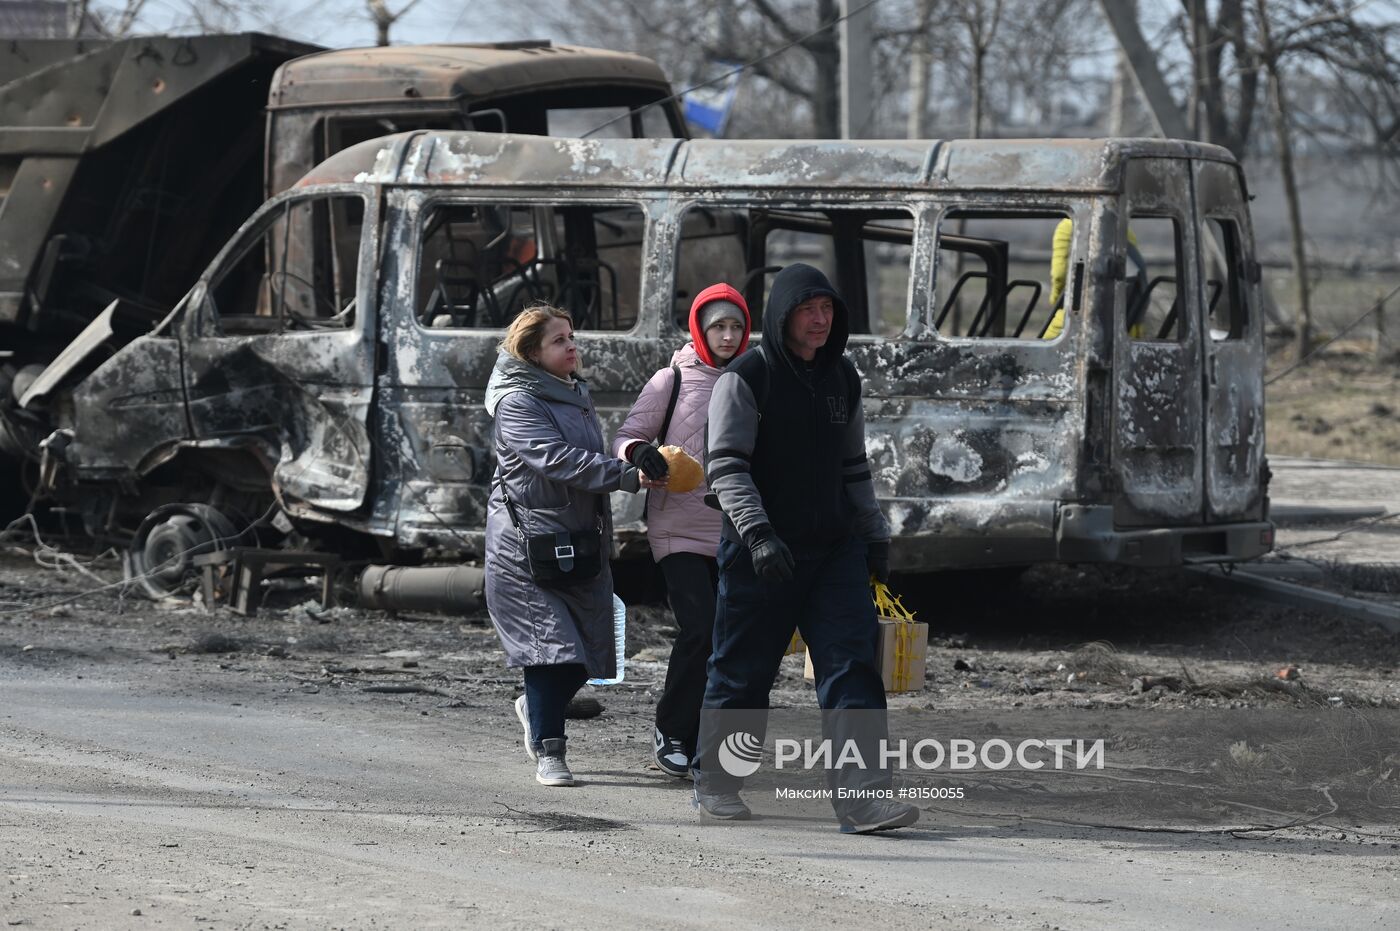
x: 161, y: 556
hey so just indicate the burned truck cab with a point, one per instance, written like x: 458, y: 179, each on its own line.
x: 1060, y: 340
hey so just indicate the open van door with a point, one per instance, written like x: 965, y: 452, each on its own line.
x: 1232, y: 347
x: 1157, y: 350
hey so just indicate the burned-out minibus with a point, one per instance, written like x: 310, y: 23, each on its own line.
x: 1060, y: 339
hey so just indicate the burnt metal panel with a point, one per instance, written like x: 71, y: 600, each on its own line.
x: 818, y: 164
x: 499, y: 160
x: 130, y: 412
x: 450, y: 72
x: 304, y: 395
x: 1028, y: 163
x: 1158, y: 405
x: 971, y: 444
x: 1008, y: 166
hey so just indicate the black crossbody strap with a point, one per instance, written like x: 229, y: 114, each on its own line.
x: 665, y: 424
x: 670, y: 406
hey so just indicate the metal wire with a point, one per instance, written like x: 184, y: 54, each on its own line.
x: 1340, y: 333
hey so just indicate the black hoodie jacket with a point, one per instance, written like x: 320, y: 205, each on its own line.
x: 786, y: 438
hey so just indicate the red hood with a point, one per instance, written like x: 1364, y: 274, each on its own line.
x: 717, y: 292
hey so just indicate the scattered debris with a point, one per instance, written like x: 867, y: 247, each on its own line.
x: 1141, y: 684
x: 215, y: 642
x: 583, y: 707
x: 564, y: 821
x: 403, y: 688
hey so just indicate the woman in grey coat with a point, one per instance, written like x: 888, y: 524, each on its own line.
x: 554, y: 465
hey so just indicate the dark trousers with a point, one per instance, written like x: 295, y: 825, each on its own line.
x: 828, y: 600
x: 548, y: 690
x: 690, y: 587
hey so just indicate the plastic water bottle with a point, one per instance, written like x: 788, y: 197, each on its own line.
x: 619, y: 640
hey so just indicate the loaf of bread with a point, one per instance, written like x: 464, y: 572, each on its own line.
x: 686, y: 474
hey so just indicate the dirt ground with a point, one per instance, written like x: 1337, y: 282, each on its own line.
x: 161, y: 765
x: 1344, y: 404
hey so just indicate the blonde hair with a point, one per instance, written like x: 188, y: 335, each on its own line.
x: 525, y: 334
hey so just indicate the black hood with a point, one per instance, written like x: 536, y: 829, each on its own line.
x: 793, y: 285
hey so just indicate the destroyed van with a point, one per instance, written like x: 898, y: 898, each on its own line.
x: 126, y: 165
x: 329, y: 366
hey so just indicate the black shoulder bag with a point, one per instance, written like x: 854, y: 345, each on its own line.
x: 559, y: 560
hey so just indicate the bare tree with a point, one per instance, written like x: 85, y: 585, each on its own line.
x: 384, y: 18
x: 1225, y: 74
x: 980, y: 19
x: 76, y: 17
x: 126, y: 18
x: 1283, y: 133
x: 920, y: 68
x: 802, y: 83
x: 136, y: 17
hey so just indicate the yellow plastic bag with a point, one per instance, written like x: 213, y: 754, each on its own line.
x: 902, y: 662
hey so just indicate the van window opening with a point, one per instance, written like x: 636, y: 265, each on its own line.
x: 1003, y: 274
x: 479, y: 265
x: 300, y: 274
x: 866, y: 253
x: 1155, y: 280
x: 1226, y: 296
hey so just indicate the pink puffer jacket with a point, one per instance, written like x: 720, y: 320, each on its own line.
x: 676, y: 523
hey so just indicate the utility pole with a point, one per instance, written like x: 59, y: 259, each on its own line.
x: 856, y: 34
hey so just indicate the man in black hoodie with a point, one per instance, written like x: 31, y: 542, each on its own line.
x: 802, y: 533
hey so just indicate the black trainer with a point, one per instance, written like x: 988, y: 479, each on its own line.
x: 670, y: 754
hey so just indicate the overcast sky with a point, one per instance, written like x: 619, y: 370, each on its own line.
x: 344, y: 23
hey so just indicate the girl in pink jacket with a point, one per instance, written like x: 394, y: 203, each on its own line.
x: 682, y: 529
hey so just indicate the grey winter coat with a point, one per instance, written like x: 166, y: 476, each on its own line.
x: 551, y: 455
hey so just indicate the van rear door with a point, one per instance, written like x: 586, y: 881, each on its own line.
x: 1232, y: 347
x: 1157, y: 383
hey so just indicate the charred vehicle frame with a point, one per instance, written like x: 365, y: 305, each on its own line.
x: 344, y: 390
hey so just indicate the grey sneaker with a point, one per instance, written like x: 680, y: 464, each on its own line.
x: 523, y: 713
x: 878, y: 815
x: 722, y: 806
x: 551, y: 770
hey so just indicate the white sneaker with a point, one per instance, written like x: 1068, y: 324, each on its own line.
x: 523, y: 713
x: 671, y: 756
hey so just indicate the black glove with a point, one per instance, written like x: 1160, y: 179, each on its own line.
x: 649, y: 459
x: 772, y: 560
x: 877, y: 560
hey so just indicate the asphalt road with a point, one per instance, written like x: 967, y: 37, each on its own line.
x: 206, y: 797
x: 226, y: 790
